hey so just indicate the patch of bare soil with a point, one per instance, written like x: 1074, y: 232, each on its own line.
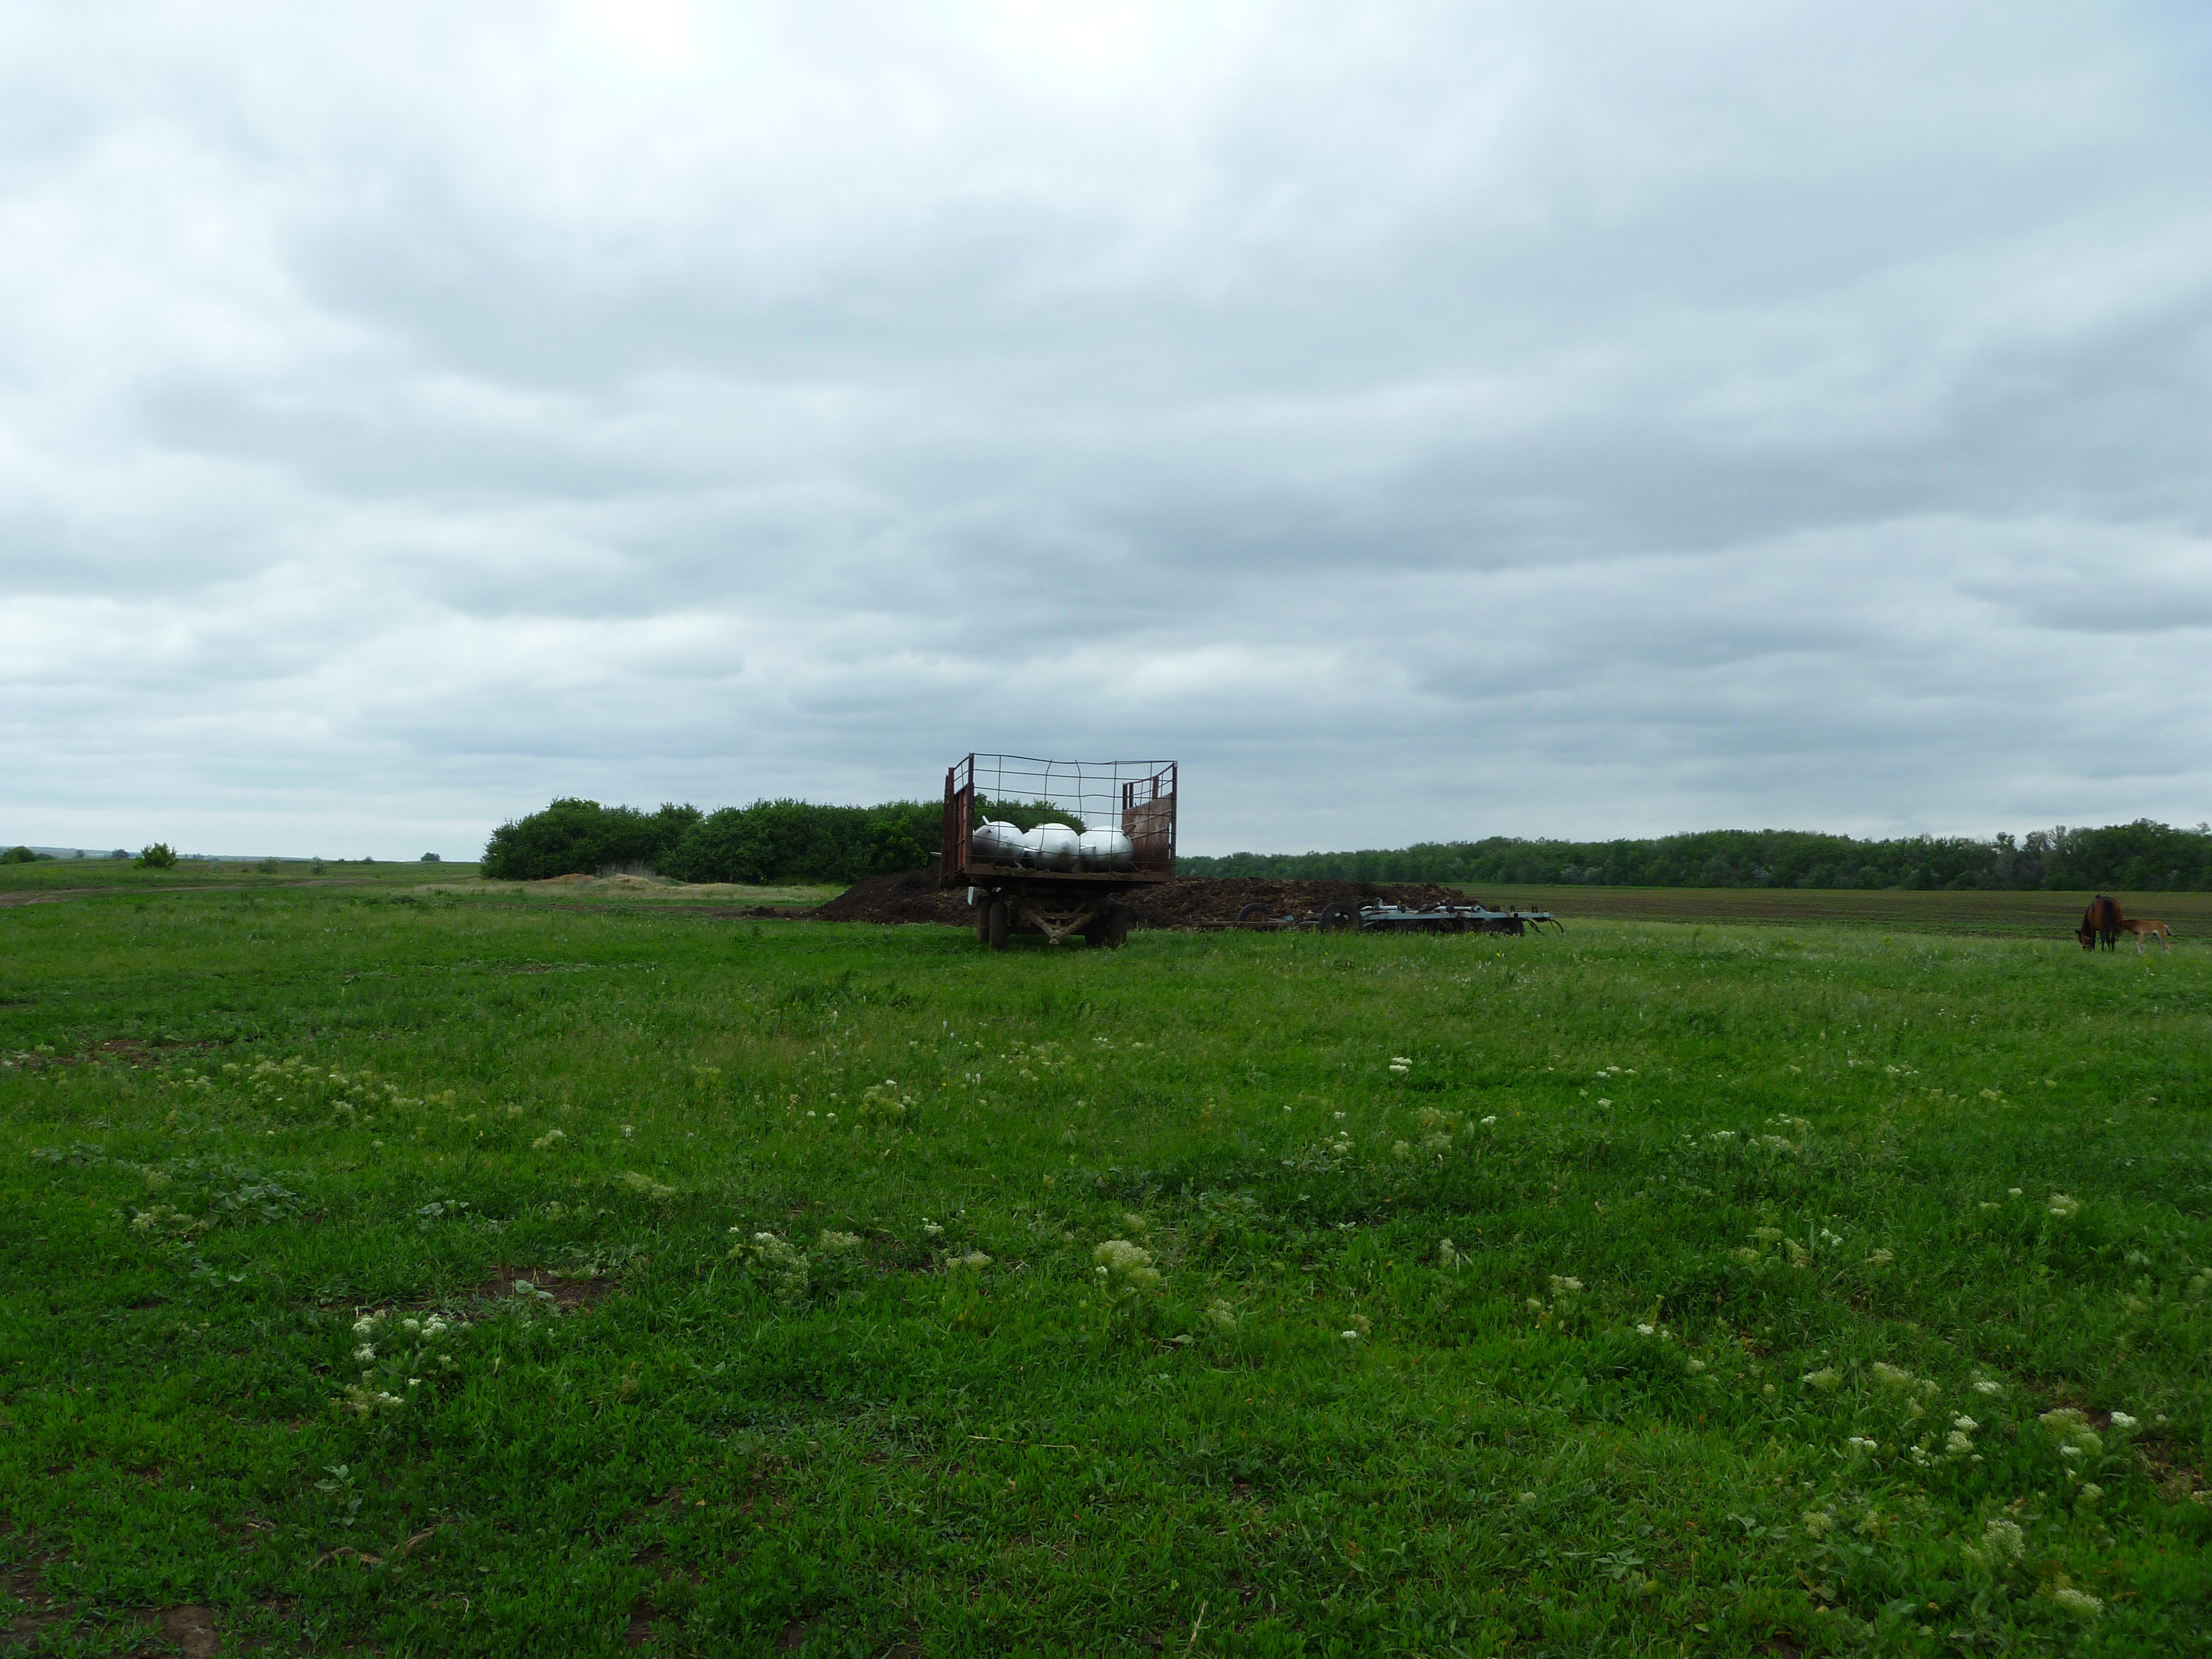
x: 568, y: 1295
x: 24, y: 1582
x: 192, y: 1629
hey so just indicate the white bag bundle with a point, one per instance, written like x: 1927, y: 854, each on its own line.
x: 1049, y: 846
x: 1104, y: 850
x: 994, y: 843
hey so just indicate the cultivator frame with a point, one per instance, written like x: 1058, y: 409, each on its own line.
x: 1138, y: 797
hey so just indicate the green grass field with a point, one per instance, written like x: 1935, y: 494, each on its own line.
x: 417, y: 1271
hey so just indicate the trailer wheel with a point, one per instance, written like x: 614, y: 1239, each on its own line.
x: 1251, y: 914
x: 1339, y: 917
x: 995, y: 922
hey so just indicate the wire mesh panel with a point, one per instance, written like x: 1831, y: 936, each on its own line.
x: 1007, y: 811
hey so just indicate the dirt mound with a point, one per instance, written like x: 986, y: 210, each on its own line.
x: 1198, y: 900
x: 916, y: 897
x: 910, y: 896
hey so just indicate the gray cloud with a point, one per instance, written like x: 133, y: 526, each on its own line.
x: 1423, y: 421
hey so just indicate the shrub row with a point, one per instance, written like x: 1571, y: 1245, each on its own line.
x: 2139, y: 857
x: 770, y: 841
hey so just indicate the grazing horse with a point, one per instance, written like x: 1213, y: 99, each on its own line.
x: 2149, y: 930
x: 2101, y: 924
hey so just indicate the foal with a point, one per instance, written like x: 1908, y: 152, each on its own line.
x: 2143, y: 930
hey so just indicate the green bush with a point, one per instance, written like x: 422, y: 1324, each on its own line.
x: 770, y: 840
x: 158, y: 856
x: 19, y: 855
x: 581, y: 837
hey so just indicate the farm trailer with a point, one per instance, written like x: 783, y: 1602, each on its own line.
x: 1122, y: 816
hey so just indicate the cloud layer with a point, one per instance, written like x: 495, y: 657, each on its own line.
x: 1422, y: 421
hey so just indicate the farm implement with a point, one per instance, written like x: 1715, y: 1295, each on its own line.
x: 1345, y: 917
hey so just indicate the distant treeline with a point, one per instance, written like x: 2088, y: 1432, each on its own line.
x: 787, y: 841
x: 2138, y: 857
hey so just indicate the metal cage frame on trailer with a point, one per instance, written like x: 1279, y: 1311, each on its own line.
x: 1137, y: 797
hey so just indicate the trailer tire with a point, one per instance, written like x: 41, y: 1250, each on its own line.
x: 995, y: 923
x: 1252, y: 914
x: 1339, y: 917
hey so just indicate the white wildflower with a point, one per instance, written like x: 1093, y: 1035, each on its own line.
x: 2078, y: 1602
x: 365, y: 1352
x: 1824, y: 1379
x: 2092, y: 1493
x: 2071, y: 1428
x: 1986, y: 1385
x: 2121, y: 1420
x: 1890, y: 1377
x: 2061, y: 1205
x: 1562, y: 1286
x: 1965, y: 1423
x: 2004, y: 1540
x: 1493, y: 1118
x: 1859, y: 1443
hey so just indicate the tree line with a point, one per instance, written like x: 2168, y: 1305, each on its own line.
x: 796, y: 840
x: 2140, y: 857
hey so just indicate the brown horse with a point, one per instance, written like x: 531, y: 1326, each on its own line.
x: 2145, y: 931
x: 2101, y: 924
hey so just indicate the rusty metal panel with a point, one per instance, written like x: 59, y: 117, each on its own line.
x: 960, y: 821
x: 1148, y: 819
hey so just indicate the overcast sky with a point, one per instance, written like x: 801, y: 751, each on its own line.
x: 1421, y: 421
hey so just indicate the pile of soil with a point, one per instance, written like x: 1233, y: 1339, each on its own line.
x: 1194, y: 902
x: 1198, y: 900
x: 909, y: 896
